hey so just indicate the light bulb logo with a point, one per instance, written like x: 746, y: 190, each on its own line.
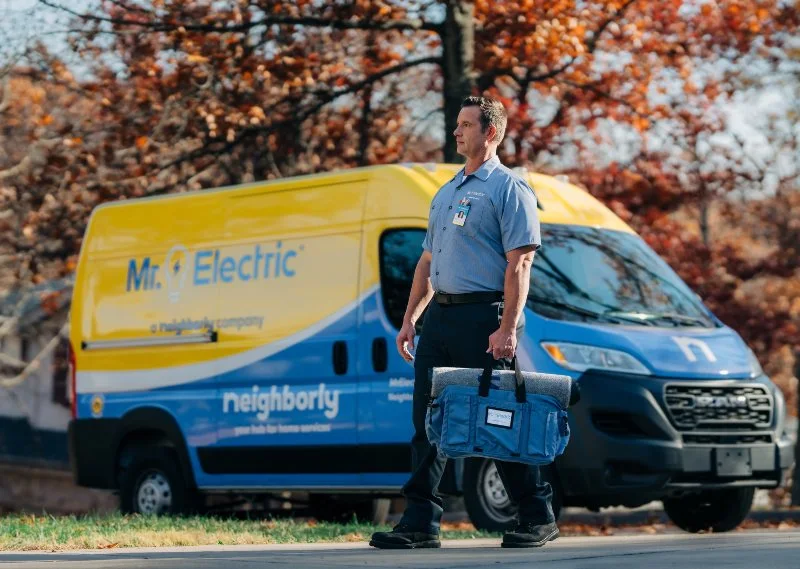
x: 176, y: 267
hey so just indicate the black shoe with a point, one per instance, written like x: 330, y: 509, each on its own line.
x: 530, y: 535
x: 404, y: 537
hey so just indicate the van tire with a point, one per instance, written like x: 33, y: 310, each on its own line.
x: 152, y: 483
x: 711, y: 510
x: 488, y: 505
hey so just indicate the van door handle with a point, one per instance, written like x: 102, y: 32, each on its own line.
x: 380, y: 355
x: 340, y: 357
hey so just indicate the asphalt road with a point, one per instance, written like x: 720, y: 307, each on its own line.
x: 762, y: 549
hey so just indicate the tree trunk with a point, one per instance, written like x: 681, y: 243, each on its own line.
x: 705, y: 230
x: 458, y: 58
x: 366, y: 119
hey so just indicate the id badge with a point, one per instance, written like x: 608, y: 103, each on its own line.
x: 462, y: 211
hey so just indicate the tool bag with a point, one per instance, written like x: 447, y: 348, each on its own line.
x: 506, y: 415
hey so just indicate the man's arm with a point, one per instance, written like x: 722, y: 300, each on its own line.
x: 418, y: 299
x: 503, y: 343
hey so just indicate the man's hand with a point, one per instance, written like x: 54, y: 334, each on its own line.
x: 405, y: 340
x: 503, y: 344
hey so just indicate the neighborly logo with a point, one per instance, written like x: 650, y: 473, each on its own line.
x: 688, y: 346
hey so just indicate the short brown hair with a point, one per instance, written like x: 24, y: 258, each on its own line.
x: 492, y: 113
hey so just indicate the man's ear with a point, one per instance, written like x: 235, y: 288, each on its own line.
x: 491, y: 133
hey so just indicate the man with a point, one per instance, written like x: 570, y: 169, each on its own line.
x: 483, y: 231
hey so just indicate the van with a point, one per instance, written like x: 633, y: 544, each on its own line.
x: 242, y: 341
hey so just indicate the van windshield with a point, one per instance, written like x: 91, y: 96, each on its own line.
x: 589, y: 274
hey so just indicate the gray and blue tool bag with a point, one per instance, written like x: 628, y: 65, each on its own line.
x: 507, y: 415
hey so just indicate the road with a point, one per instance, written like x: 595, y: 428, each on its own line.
x: 762, y: 549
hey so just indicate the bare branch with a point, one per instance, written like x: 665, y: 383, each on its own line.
x: 9, y: 361
x: 324, y: 97
x: 35, y: 157
x: 310, y: 21
x: 597, y: 91
x: 5, y: 100
x: 35, y: 363
x: 19, y: 168
x: 591, y: 45
x: 7, y: 324
x: 125, y: 6
x: 531, y: 78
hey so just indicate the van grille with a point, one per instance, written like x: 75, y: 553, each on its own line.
x: 734, y: 407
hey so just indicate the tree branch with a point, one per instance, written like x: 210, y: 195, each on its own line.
x: 310, y: 21
x: 591, y: 45
x: 5, y: 100
x: 597, y: 91
x: 487, y: 79
x: 127, y: 7
x: 33, y: 366
x: 325, y: 97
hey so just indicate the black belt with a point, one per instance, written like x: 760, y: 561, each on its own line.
x: 467, y: 297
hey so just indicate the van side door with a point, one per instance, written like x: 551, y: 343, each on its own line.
x: 391, y: 250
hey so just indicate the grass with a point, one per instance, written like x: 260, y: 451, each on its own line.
x: 50, y: 533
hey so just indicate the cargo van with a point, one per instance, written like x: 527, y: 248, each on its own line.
x: 241, y: 341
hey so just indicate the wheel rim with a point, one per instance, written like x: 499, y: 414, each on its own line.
x: 493, y: 489
x: 154, y: 495
x: 494, y: 495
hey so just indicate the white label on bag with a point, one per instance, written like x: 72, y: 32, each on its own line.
x: 499, y: 417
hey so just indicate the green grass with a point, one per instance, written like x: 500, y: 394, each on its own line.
x: 49, y: 533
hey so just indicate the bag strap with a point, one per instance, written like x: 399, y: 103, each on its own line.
x: 486, y: 379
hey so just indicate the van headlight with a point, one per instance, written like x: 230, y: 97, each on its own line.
x: 755, y: 367
x: 580, y: 357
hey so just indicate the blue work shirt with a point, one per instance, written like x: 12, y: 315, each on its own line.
x: 501, y: 216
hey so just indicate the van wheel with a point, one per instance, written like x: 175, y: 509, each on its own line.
x: 714, y: 510
x: 486, y: 500
x: 151, y: 483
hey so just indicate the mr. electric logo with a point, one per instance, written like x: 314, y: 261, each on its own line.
x: 209, y: 266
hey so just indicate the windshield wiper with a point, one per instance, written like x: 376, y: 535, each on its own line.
x: 650, y: 318
x: 573, y: 308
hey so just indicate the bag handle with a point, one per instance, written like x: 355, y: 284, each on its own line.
x: 486, y: 379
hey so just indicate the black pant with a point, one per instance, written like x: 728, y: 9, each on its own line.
x: 457, y: 335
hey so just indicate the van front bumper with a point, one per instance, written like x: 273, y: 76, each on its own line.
x: 627, y: 447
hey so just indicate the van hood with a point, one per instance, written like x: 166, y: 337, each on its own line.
x: 669, y: 352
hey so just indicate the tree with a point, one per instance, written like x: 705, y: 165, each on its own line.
x: 177, y: 94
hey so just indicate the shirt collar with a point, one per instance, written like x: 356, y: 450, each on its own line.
x: 483, y: 172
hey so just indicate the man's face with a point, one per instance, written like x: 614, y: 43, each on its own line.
x: 470, y: 140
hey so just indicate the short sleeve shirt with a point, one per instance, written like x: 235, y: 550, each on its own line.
x: 474, y: 221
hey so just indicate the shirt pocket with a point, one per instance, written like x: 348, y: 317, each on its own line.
x: 477, y: 214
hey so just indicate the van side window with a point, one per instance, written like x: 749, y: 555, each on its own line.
x: 400, y: 250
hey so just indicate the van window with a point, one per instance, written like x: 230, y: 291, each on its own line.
x: 589, y: 274
x: 400, y: 250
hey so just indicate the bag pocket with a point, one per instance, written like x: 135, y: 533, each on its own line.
x: 457, y: 420
x: 433, y: 423
x: 563, y: 431
x: 543, y: 431
x: 499, y: 428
